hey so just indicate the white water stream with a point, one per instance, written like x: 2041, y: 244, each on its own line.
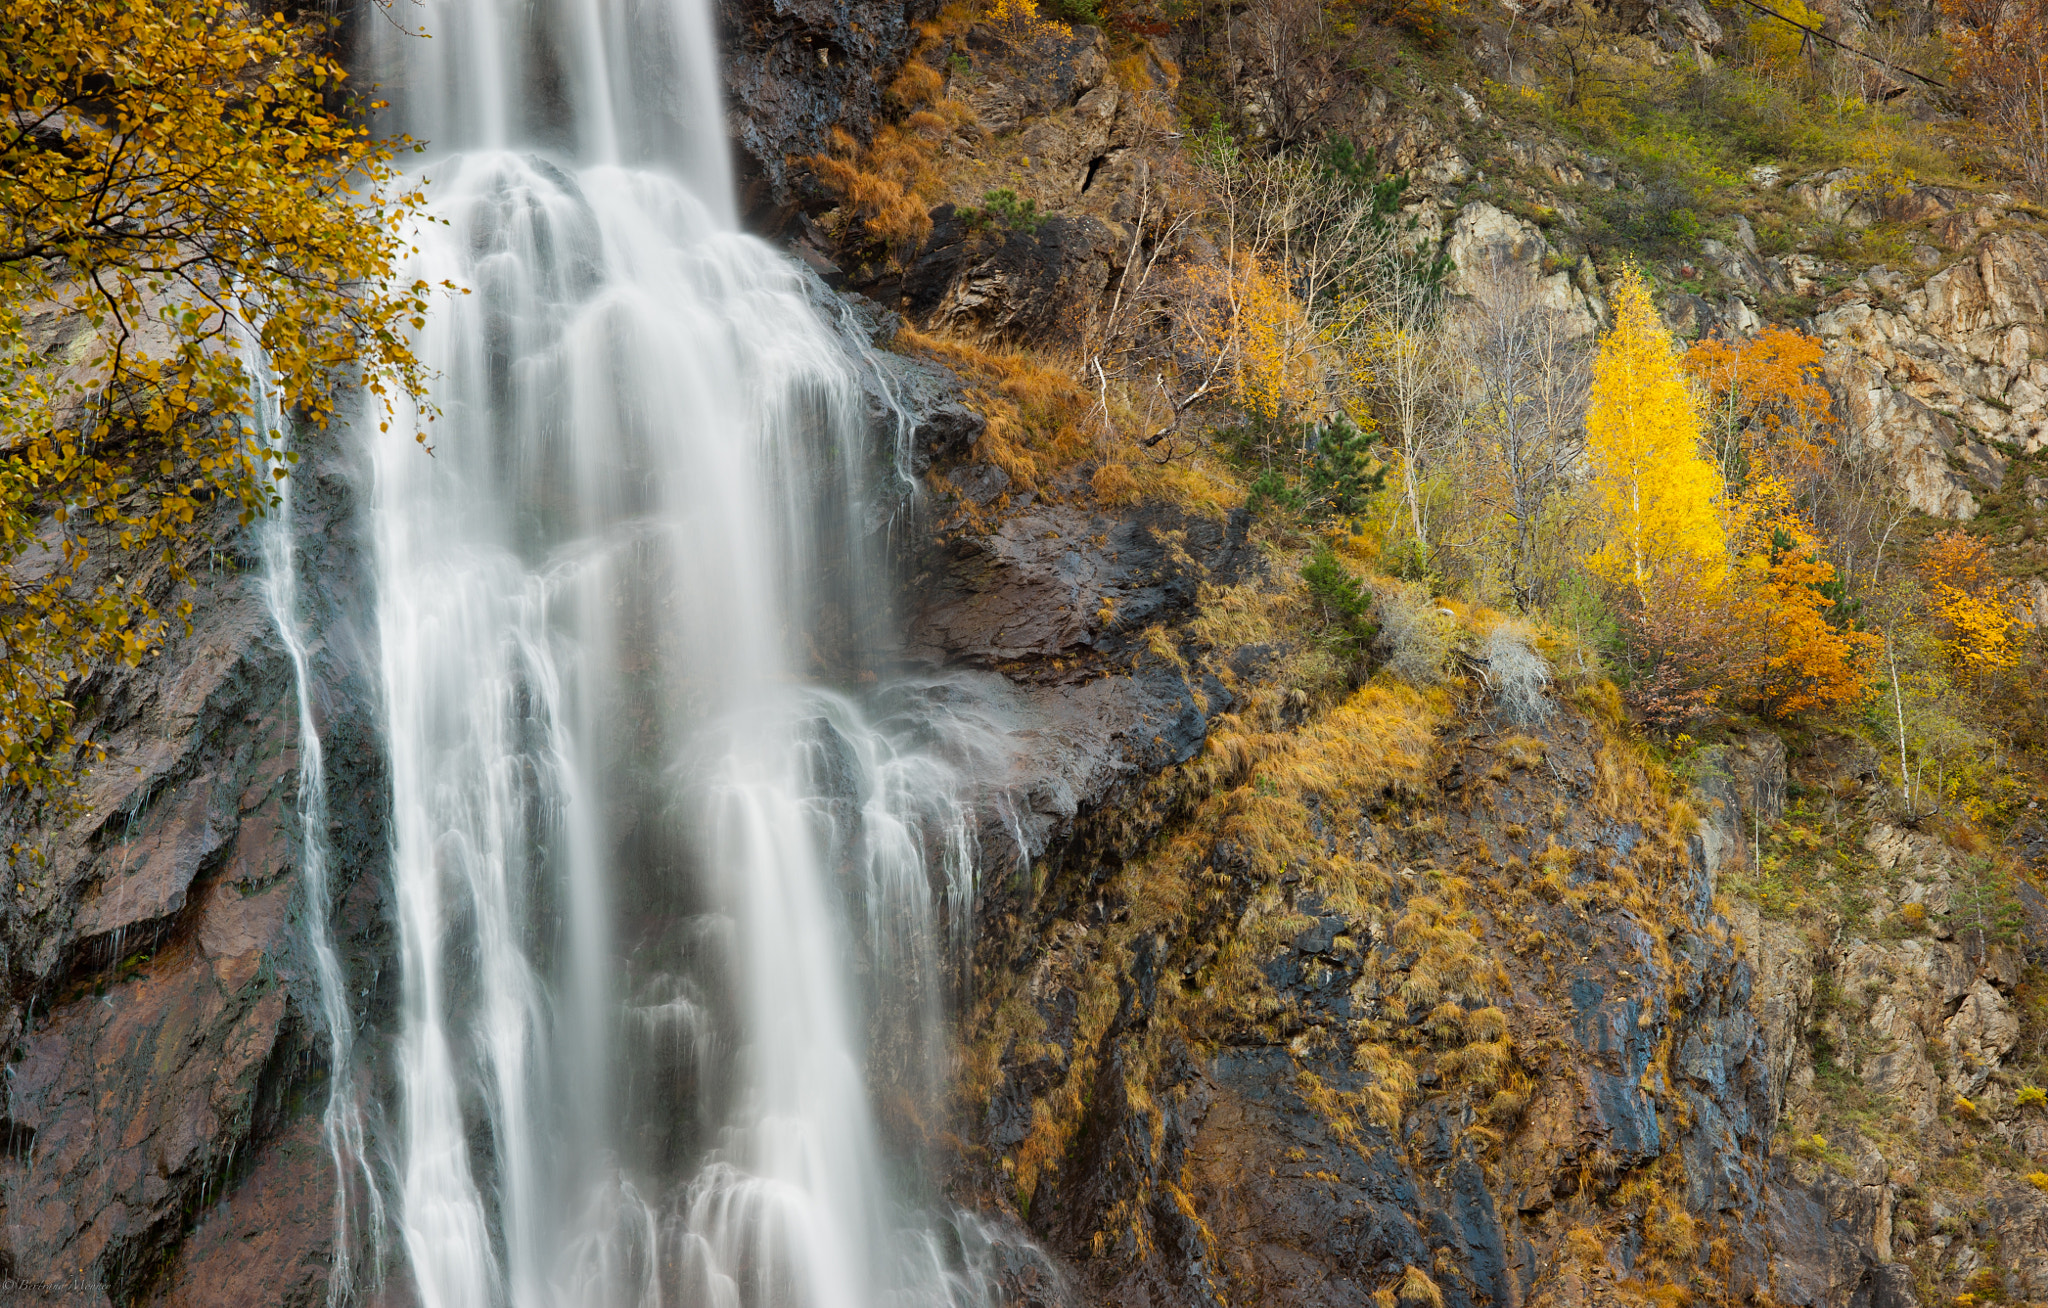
x: 668, y: 905
x: 358, y: 1200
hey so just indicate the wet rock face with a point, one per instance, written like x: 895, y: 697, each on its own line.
x: 1057, y: 596
x: 1659, y: 1040
x: 1319, y: 1220
x: 795, y: 69
x: 1062, y: 580
x: 268, y: 1243
x: 161, y: 1031
x: 1042, y: 284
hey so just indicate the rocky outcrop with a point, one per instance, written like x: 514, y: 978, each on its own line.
x: 1060, y: 598
x: 1915, y: 1006
x: 1489, y: 250
x: 794, y: 70
x: 164, y: 1048
x: 1943, y: 379
x: 1043, y: 283
x: 1939, y: 367
x: 1064, y: 137
x: 1254, y: 1160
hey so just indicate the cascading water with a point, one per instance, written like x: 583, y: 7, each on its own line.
x: 640, y: 852
x: 358, y: 1202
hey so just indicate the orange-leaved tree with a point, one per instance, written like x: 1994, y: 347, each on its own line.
x: 167, y: 167
x: 1802, y: 656
x: 2002, y: 67
x: 1658, y: 496
x: 1976, y: 611
x: 1767, y: 407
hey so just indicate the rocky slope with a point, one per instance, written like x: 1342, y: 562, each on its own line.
x: 1187, y: 1030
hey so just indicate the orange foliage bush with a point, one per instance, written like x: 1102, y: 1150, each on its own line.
x: 2002, y: 69
x: 1763, y: 643
x: 1798, y: 660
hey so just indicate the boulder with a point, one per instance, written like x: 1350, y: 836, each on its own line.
x: 1488, y: 248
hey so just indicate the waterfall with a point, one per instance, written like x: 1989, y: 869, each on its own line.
x: 673, y: 850
x: 355, y: 1180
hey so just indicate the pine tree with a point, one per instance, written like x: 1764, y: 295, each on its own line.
x: 1344, y: 474
x: 1657, y: 494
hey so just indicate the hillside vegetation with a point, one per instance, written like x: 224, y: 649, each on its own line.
x: 1519, y: 336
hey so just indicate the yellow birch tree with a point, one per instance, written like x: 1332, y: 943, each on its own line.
x: 1657, y: 494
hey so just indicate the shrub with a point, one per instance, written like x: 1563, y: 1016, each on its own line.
x: 1019, y: 20
x: 1520, y: 676
x: 1343, y: 475
x: 1271, y: 487
x: 1114, y: 483
x: 1414, y: 637
x: 1479, y: 1065
x: 1003, y: 206
x: 1487, y: 1023
x: 1345, y: 604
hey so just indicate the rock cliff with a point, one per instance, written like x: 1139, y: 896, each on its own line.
x: 165, y: 1051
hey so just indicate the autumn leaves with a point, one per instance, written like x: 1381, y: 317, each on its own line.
x: 1642, y: 441
x: 165, y: 166
x: 1720, y: 583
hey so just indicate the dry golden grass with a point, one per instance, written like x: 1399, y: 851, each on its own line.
x: 1274, y: 820
x: 1419, y: 1291
x: 1034, y: 408
x: 1256, y: 791
x: 1115, y: 483
x: 1042, y: 423
x: 889, y: 185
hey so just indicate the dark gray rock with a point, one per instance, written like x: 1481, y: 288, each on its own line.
x: 794, y: 70
x: 1042, y: 285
